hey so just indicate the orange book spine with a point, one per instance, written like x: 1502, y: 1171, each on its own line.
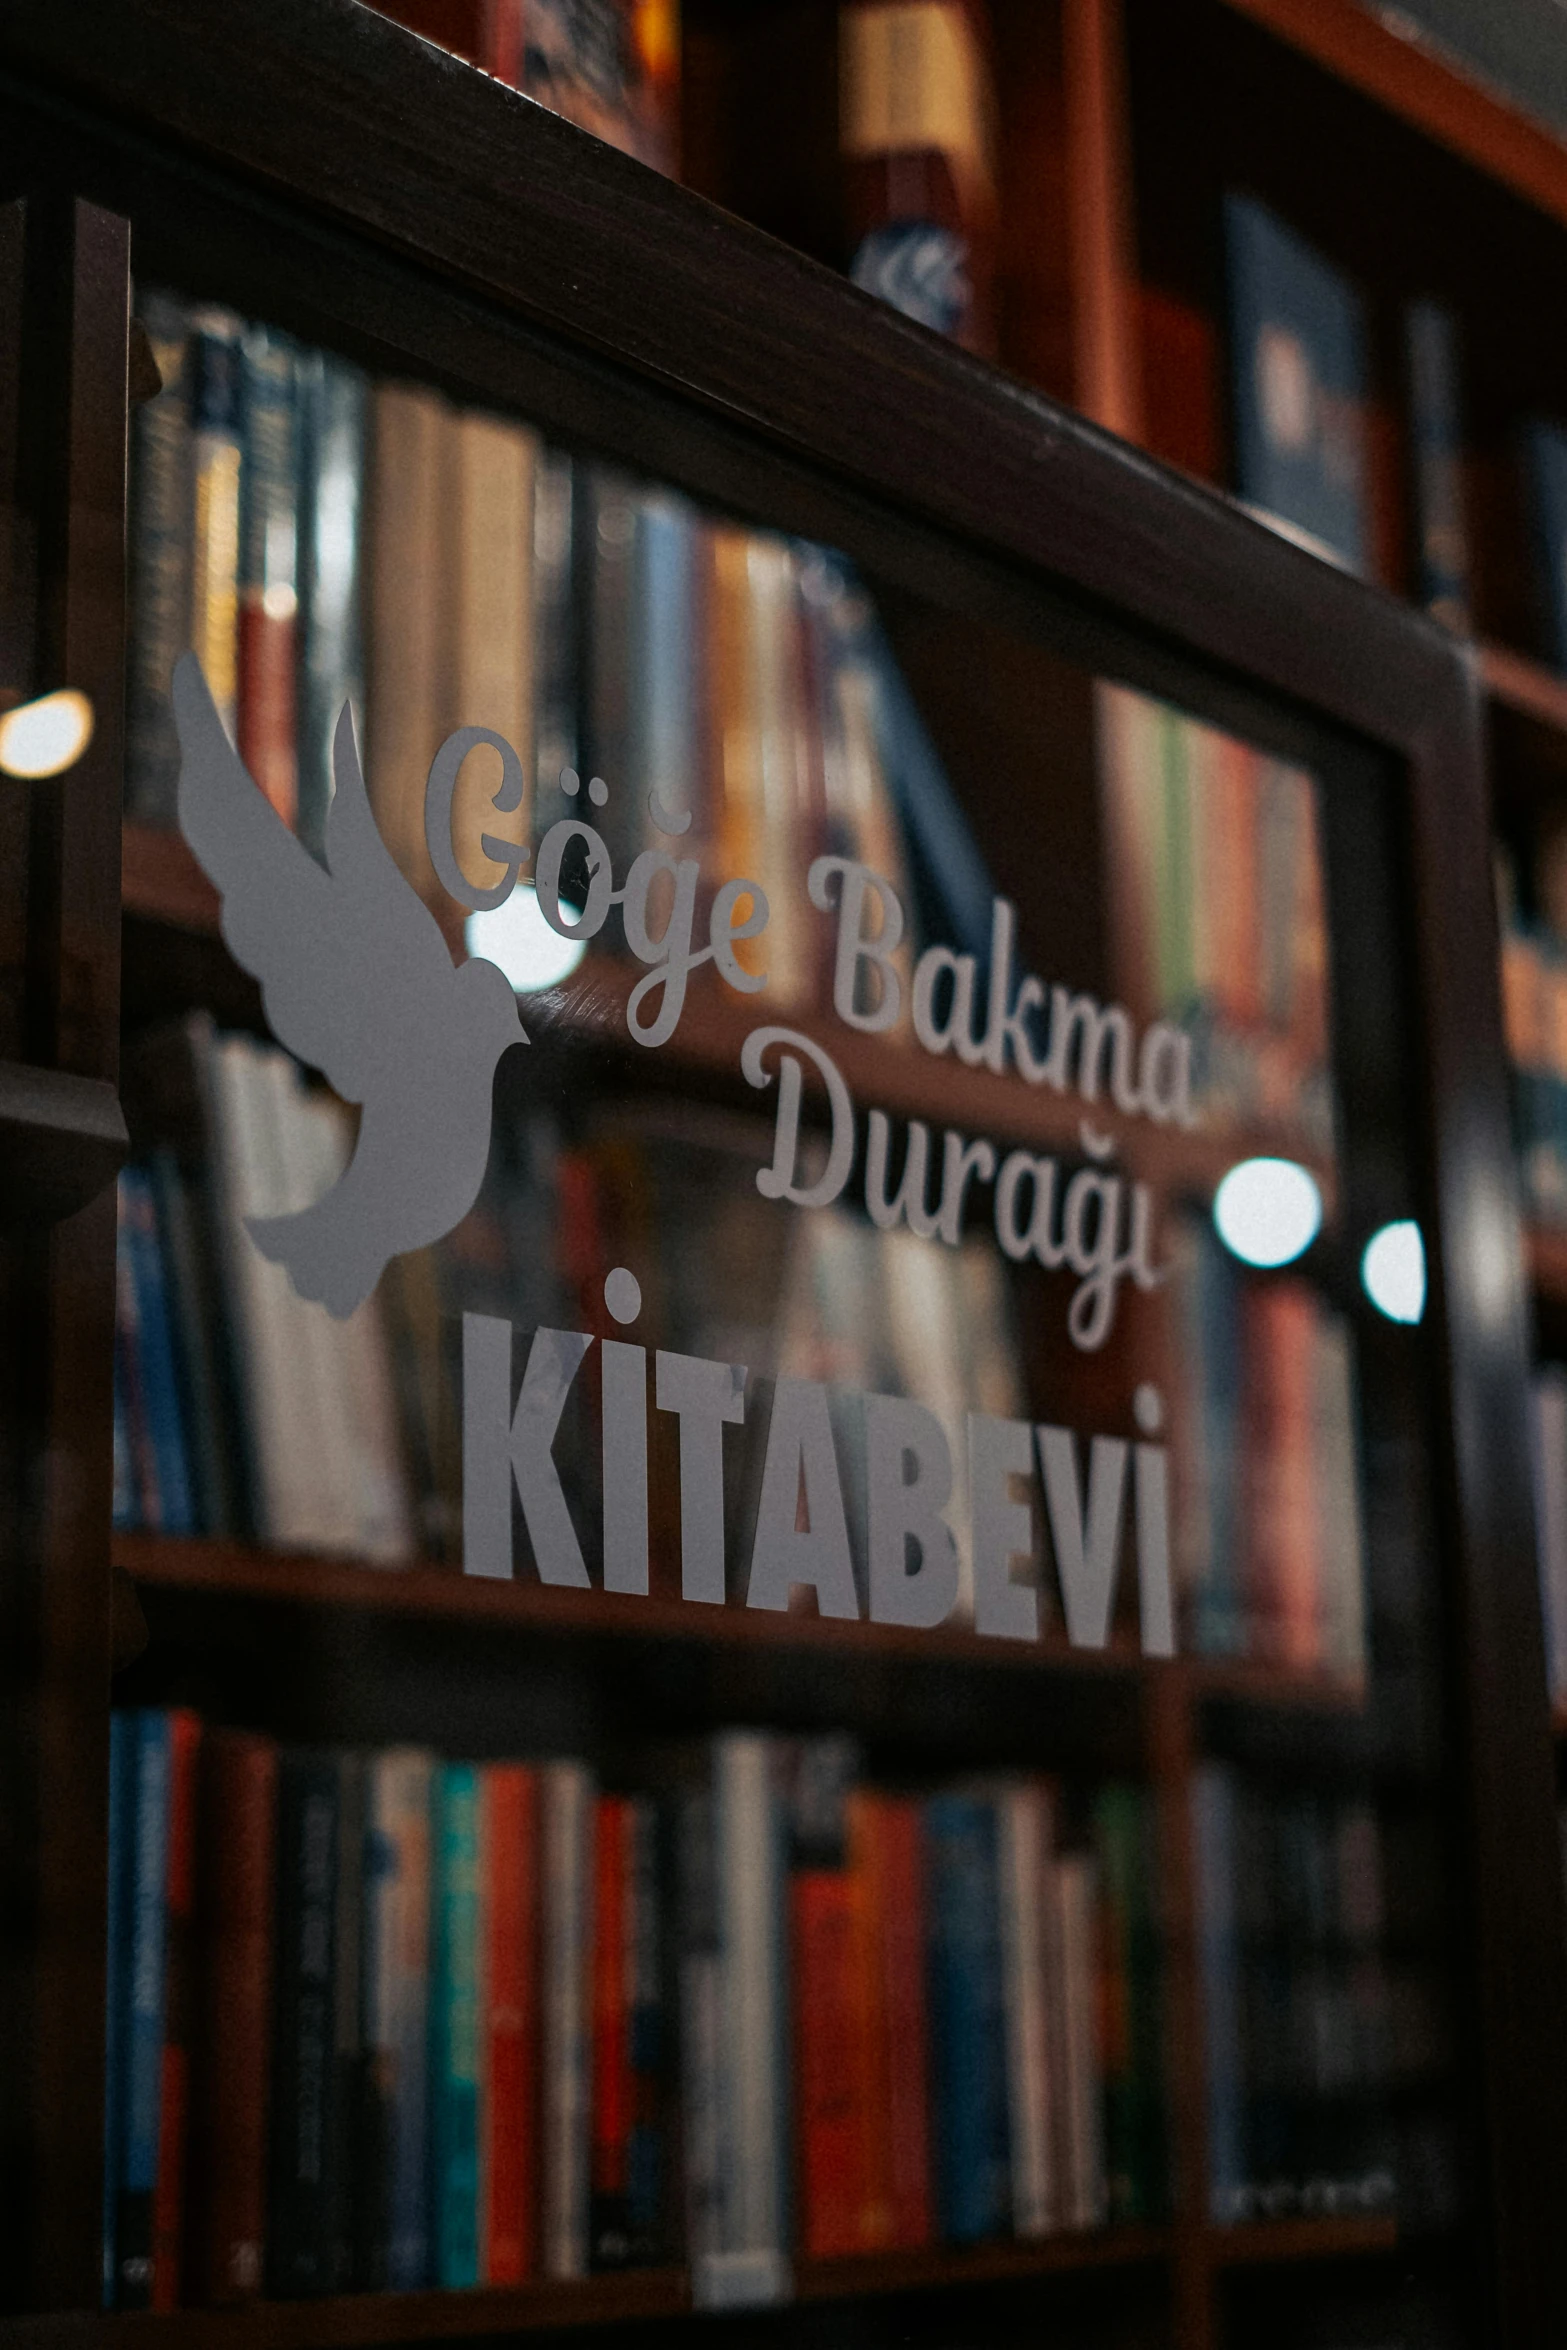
x: 509, y: 2121
x: 1283, y: 1513
x: 266, y: 704
x: 174, y: 2072
x: 830, y: 2116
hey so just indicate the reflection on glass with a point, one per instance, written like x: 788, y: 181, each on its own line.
x: 516, y: 938
x: 1393, y: 1269
x: 1268, y: 1211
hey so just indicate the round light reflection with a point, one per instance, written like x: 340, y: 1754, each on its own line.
x: 516, y: 938
x: 1393, y: 1269
x: 47, y: 736
x: 1267, y: 1211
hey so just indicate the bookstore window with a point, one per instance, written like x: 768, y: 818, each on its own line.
x: 787, y: 1609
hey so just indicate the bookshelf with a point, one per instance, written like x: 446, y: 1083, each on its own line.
x: 284, y: 158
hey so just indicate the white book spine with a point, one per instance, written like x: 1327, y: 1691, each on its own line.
x: 1022, y: 1817
x: 752, y: 2266
x: 567, y: 1802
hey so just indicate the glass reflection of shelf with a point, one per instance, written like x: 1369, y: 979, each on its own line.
x: 242, y: 1571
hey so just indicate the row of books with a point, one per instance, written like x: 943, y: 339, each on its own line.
x: 1267, y: 1525
x: 1534, y: 1011
x: 1216, y: 902
x: 319, y: 538
x: 380, y: 2020
x: 1296, y: 1999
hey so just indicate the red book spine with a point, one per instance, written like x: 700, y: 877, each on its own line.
x: 902, y: 1936
x: 509, y: 2167
x: 266, y: 703
x: 612, y: 2084
x: 174, y: 2073
x: 238, y: 1804
x: 830, y: 2109
x: 1282, y: 1507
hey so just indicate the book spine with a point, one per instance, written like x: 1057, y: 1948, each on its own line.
x: 968, y: 2022
x: 191, y: 1312
x: 454, y: 2003
x: 168, y: 2208
x: 1436, y: 432
x: 144, y: 2034
x: 1022, y: 1821
x: 1077, y: 1893
x: 510, y: 2113
x: 903, y: 1940
x: 145, y: 1505
x: 612, y: 1923
x: 122, y: 1854
x: 567, y: 1806
x: 237, y: 1840
x: 155, y: 1356
x: 1131, y: 2008
x: 705, y: 2171
x: 645, y: 1971
x: 1218, y: 1953
x: 215, y: 423
x: 396, y: 2249
x: 749, y: 1832
x: 830, y: 2124
x: 333, y: 429
x: 348, y: 2087
x: 161, y: 531
x: 268, y: 567
x: 300, y: 2255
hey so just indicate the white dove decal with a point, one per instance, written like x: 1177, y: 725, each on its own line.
x: 357, y: 981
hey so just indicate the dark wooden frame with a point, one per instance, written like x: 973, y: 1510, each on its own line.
x: 703, y: 336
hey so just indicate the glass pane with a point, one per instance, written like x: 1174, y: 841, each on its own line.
x: 858, y: 1293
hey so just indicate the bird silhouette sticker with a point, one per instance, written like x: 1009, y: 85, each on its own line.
x: 357, y: 981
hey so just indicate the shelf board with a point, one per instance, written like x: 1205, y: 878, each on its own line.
x: 347, y: 2321
x: 1524, y: 686
x: 161, y: 882
x: 1382, y: 53
x: 1264, y: 2241
x: 288, y: 1578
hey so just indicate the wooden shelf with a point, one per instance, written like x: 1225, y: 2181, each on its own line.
x: 163, y: 883
x: 1391, y: 62
x: 1524, y: 686
x: 229, y: 1570
x: 1262, y: 2242
x: 345, y: 2321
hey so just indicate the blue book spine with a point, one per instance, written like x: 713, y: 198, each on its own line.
x: 160, y: 1384
x: 1297, y: 330
x: 454, y: 2017
x: 1218, y: 1951
x: 1436, y: 431
x: 142, y: 2057
x: 301, y: 2243
x: 968, y: 2018
x: 1545, y: 456
x: 122, y: 1818
x: 333, y: 412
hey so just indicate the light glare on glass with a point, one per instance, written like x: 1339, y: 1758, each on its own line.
x: 47, y: 736
x: 1267, y: 1211
x: 1393, y: 1269
x: 515, y: 937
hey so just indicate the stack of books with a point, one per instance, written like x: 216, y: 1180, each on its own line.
x: 386, y: 2020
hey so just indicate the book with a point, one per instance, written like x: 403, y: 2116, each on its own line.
x: 1436, y: 446
x: 156, y: 1412
x: 509, y: 2111
x: 141, y: 2035
x: 1024, y: 1849
x: 566, y: 1820
x: 887, y: 1857
x: 301, y: 2233
x: 174, y: 2071
x: 1548, y: 1453
x: 395, y: 2250
x: 1076, y: 1884
x: 707, y: 2178
x: 161, y: 538
x: 406, y: 720
x: 455, y: 2034
x: 118, y: 1920
x: 268, y: 567
x: 832, y: 2070
x: 613, y: 1924
x: 1299, y: 382
x: 230, y: 2117
x: 217, y: 443
x: 333, y: 405
x: 211, y: 1440
x: 968, y: 2027
x: 349, y: 2086
x: 916, y: 130
x: 748, y: 1824
x: 1545, y: 480
x: 1132, y: 2021
x: 490, y: 526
